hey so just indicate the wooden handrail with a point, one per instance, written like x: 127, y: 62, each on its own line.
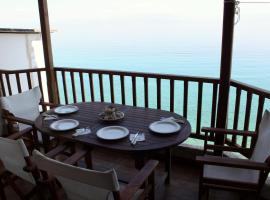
x: 141, y: 74
x: 8, y: 71
x: 251, y: 88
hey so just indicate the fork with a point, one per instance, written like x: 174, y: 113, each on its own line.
x: 81, y: 131
x: 134, y: 141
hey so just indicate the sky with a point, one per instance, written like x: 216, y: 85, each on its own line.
x: 146, y: 28
x: 159, y: 20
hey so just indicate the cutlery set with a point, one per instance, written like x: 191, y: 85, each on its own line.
x: 82, y: 131
x: 139, y: 136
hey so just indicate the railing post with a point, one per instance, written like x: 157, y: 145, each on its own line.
x: 47, y: 49
x: 225, y: 68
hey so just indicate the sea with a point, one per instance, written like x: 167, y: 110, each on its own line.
x: 194, y: 50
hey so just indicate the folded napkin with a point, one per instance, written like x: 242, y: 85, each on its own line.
x: 47, y: 118
x: 50, y: 117
x: 81, y: 131
x: 181, y: 121
x: 139, y: 138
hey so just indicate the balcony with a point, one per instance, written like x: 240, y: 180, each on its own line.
x: 203, y: 101
x: 195, y: 98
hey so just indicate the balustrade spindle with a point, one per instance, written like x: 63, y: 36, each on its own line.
x: 91, y: 82
x: 171, y: 95
x: 3, y: 91
x: 199, y: 108
x: 123, y: 95
x: 100, y: 78
x: 29, y: 82
x: 82, y: 86
x: 214, y: 105
x: 185, y: 99
x: 158, y: 93
x: 18, y: 81
x: 146, y: 104
x: 111, y: 87
x: 73, y: 87
x: 247, y: 118
x: 260, y: 111
x: 40, y: 84
x: 8, y: 84
x: 57, y: 88
x: 236, y: 113
x: 134, y: 91
x: 65, y: 86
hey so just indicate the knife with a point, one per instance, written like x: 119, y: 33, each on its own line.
x: 134, y: 139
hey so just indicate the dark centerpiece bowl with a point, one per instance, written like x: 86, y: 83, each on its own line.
x: 110, y: 114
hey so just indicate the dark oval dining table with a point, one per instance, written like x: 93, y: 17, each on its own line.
x: 136, y: 119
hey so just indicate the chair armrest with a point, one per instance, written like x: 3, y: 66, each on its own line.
x: 227, y: 148
x: 228, y: 131
x: 232, y: 162
x: 78, y: 155
x: 133, y: 186
x: 30, y: 169
x: 19, y: 134
x: 20, y: 120
x: 57, y: 150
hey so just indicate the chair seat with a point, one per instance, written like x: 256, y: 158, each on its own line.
x: 110, y: 195
x: 231, y: 174
x: 136, y: 195
x: 25, y: 126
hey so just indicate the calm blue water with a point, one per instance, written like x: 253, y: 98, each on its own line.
x: 195, y: 56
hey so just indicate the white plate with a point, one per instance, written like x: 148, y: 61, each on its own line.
x: 164, y: 127
x: 64, y: 125
x: 66, y: 109
x: 112, y: 132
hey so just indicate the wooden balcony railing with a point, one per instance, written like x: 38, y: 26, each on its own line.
x: 193, y: 97
x: 15, y: 81
x: 139, y: 89
x: 248, y: 104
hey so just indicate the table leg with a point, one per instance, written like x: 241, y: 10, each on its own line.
x: 35, y: 139
x: 2, y: 191
x: 168, y: 160
x: 139, y: 160
x: 88, y: 159
x: 46, y: 142
x: 139, y: 163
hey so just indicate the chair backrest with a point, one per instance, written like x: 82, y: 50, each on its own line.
x: 262, y: 147
x: 3, y: 127
x: 24, y: 105
x: 79, y: 183
x: 12, y: 155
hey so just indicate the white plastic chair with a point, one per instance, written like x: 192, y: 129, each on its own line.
x: 84, y: 184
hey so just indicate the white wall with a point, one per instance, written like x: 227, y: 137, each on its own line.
x: 22, y: 51
x: 18, y: 51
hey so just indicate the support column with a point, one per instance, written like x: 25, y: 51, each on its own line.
x: 47, y: 49
x: 225, y: 68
